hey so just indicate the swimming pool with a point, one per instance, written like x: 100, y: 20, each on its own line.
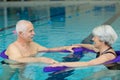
x: 59, y: 26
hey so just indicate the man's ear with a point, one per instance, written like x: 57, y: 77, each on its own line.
x: 20, y: 33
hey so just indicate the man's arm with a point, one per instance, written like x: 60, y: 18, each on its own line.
x: 56, y: 49
x: 14, y: 54
x: 35, y: 59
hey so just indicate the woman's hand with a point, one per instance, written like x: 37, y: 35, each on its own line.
x: 70, y: 48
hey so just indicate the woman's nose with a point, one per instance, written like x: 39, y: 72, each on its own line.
x: 93, y: 39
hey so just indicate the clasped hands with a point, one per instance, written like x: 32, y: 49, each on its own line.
x: 69, y: 48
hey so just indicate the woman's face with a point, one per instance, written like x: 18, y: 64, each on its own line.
x: 97, y: 42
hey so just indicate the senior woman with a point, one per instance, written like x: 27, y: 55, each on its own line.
x: 103, y: 37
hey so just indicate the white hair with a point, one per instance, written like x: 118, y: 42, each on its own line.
x: 106, y: 34
x: 21, y: 25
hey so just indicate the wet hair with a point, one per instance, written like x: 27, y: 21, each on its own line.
x: 106, y: 34
x: 21, y: 25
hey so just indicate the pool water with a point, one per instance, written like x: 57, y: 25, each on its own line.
x: 55, y: 27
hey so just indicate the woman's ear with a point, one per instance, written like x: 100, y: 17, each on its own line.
x: 101, y: 41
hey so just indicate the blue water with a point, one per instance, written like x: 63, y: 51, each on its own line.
x: 59, y: 26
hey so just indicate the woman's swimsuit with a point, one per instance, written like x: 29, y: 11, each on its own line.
x: 105, y: 52
x: 113, y: 65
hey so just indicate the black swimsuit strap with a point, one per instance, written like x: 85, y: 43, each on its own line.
x: 98, y: 53
x: 111, y: 53
x: 106, y: 50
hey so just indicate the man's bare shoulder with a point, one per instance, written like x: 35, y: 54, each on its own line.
x: 12, y: 45
x: 11, y: 48
x: 38, y: 46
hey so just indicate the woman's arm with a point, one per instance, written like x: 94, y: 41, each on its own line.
x: 70, y: 48
x: 88, y: 46
x: 100, y: 60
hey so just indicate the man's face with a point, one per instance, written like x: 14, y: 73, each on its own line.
x: 29, y: 33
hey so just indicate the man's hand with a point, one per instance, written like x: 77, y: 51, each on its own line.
x: 48, y: 60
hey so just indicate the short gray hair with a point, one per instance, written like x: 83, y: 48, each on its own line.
x: 106, y: 34
x: 21, y: 25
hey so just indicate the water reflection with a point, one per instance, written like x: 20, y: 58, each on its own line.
x: 57, y: 16
x: 105, y: 75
